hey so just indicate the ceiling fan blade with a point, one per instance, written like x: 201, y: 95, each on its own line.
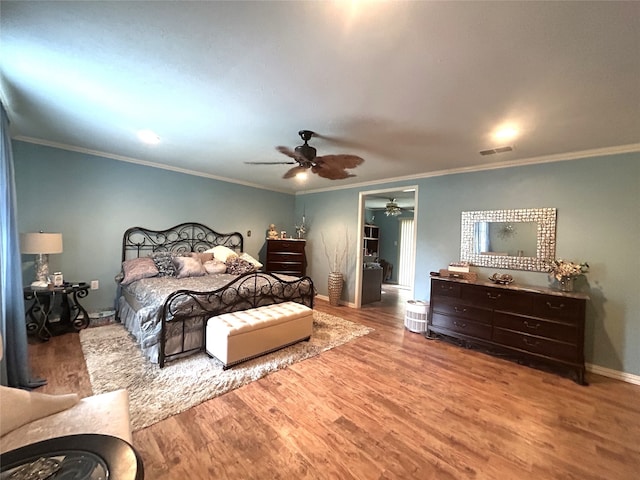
x: 342, y: 160
x: 333, y: 167
x: 331, y: 172
x: 292, y: 172
x: 289, y: 153
x: 270, y: 163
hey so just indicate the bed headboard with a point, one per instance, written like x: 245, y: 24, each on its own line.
x: 186, y: 237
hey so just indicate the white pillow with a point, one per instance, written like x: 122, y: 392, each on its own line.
x: 215, y: 266
x: 19, y: 407
x: 222, y: 253
x: 250, y: 259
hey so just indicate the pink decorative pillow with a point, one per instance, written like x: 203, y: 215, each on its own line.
x: 188, y: 267
x: 138, y: 268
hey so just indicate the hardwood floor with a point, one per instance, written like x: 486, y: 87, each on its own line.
x: 390, y: 405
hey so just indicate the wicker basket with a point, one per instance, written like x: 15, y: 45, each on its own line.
x: 415, y: 318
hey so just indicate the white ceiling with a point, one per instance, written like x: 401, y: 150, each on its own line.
x: 412, y: 87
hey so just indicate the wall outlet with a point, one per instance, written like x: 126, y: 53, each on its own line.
x: 95, y: 284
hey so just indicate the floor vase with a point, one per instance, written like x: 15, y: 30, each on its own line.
x: 336, y: 283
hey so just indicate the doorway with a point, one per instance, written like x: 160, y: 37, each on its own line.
x: 387, y: 237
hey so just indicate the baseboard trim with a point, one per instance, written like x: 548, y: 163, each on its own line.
x: 608, y: 372
x: 342, y: 302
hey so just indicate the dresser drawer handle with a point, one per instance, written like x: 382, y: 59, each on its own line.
x: 559, y: 307
x: 461, y: 325
x: 446, y: 287
x: 492, y: 297
x: 531, y: 326
x: 530, y: 343
x: 460, y: 310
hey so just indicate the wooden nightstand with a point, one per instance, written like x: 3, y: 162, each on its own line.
x: 286, y: 256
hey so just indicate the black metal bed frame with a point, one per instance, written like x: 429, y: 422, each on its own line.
x: 183, y: 238
x: 186, y: 310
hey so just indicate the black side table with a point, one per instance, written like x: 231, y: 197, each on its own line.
x: 77, y: 456
x: 56, y: 310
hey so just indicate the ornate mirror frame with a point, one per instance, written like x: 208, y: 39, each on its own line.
x: 546, y: 238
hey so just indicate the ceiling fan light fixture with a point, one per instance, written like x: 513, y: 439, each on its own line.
x: 392, y: 209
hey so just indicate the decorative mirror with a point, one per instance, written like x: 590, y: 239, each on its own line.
x: 522, y: 239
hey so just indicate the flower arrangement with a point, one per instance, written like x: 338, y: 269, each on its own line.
x: 302, y: 228
x: 561, y: 268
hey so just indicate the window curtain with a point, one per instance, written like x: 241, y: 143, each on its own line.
x: 14, y: 368
x: 406, y: 268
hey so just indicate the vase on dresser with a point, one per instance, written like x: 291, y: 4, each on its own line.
x: 566, y: 283
x: 336, y: 283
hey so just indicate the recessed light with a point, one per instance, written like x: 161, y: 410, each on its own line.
x: 148, y: 136
x: 506, y: 133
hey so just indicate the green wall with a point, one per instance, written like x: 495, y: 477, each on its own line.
x: 598, y: 205
x: 93, y: 200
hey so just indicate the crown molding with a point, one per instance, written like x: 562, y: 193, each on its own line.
x: 560, y: 157
x: 121, y: 158
x: 597, y: 152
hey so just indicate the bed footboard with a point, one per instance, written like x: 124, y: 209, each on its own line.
x: 186, y: 310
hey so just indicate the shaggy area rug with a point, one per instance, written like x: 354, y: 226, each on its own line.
x: 114, y: 361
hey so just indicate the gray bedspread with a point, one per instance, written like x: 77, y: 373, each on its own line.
x: 141, y: 304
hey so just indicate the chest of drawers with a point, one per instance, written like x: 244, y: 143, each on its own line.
x: 286, y: 256
x: 532, y: 325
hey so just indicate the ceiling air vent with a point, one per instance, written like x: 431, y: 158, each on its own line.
x: 493, y: 151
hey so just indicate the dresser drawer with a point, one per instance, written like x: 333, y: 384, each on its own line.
x: 454, y: 308
x: 560, y: 308
x: 498, y: 298
x: 461, y: 325
x: 445, y: 289
x: 565, y: 332
x: 282, y: 266
x: 286, y: 257
x: 285, y: 246
x: 538, y: 345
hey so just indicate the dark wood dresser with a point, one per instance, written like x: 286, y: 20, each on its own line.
x: 532, y: 325
x: 286, y: 256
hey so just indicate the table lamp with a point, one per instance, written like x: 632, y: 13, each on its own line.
x: 41, y: 244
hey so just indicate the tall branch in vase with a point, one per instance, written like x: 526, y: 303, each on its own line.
x: 336, y: 261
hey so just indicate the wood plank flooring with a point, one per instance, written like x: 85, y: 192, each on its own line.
x: 390, y: 405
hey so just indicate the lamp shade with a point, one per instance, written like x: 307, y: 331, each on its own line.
x: 41, y: 242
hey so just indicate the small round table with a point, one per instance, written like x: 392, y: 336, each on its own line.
x: 81, y: 457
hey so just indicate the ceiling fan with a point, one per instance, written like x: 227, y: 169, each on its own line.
x: 391, y: 208
x: 332, y: 167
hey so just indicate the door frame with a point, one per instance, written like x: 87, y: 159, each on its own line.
x: 361, y: 221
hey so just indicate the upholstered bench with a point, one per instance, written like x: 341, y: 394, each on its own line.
x: 238, y: 336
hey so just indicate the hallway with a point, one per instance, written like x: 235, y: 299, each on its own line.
x: 393, y: 300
